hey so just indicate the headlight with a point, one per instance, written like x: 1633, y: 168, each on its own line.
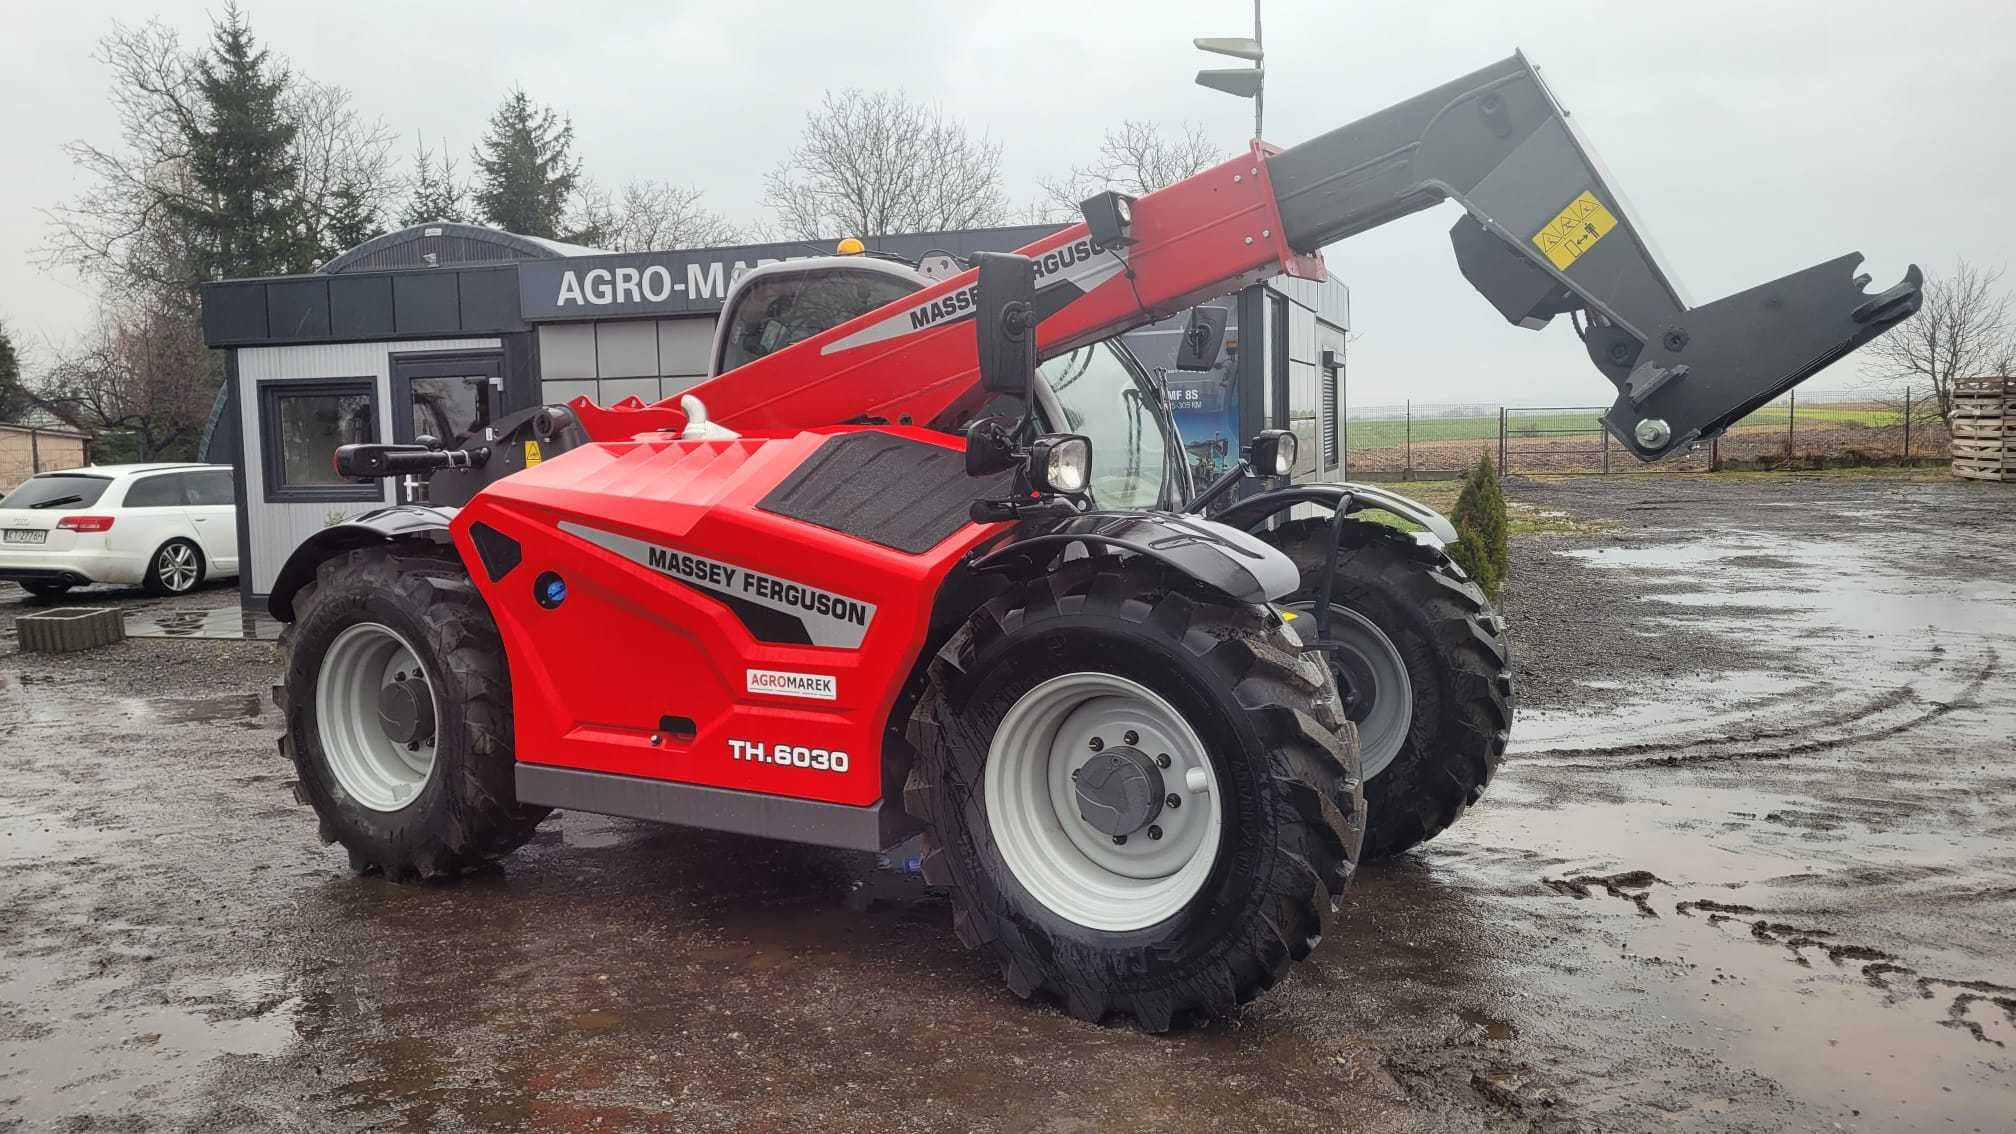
x: 1061, y: 462
x: 1273, y: 452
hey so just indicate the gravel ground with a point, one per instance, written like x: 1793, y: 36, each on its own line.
x: 1750, y: 868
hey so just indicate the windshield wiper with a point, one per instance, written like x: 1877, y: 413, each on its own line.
x: 73, y: 499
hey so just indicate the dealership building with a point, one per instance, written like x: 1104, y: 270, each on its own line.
x: 441, y: 328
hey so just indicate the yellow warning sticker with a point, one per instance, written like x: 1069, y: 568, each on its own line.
x: 1575, y: 231
x: 531, y: 453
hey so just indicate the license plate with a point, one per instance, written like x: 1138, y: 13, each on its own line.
x: 24, y: 535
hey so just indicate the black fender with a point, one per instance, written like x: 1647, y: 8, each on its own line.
x: 402, y: 523
x: 1260, y: 507
x: 1220, y: 556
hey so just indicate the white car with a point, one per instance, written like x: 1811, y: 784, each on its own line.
x: 166, y: 527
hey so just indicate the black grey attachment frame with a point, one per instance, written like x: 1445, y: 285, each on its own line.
x: 1545, y: 235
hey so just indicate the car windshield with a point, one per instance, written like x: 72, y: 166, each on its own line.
x: 56, y: 493
x: 1105, y: 399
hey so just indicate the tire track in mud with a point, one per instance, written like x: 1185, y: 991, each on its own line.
x: 1729, y: 747
x: 1879, y: 968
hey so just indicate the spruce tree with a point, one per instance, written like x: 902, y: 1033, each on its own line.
x: 435, y: 194
x: 14, y: 399
x: 1483, y: 544
x: 245, y: 215
x: 353, y: 219
x: 526, y: 171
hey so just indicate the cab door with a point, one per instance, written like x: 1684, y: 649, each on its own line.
x: 449, y: 397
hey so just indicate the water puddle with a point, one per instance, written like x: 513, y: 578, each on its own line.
x: 225, y: 623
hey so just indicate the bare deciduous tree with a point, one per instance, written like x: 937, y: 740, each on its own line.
x: 141, y: 374
x: 872, y: 163
x: 1136, y: 159
x: 650, y: 214
x: 120, y: 232
x: 1964, y: 330
x: 343, y: 166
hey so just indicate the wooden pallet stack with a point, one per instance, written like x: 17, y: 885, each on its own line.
x: 1983, y: 423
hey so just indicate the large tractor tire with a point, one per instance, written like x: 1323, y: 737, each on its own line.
x: 1142, y: 800
x: 399, y: 716
x: 1425, y: 674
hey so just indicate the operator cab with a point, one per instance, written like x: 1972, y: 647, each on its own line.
x: 1100, y: 390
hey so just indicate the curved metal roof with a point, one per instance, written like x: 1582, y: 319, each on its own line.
x: 448, y: 242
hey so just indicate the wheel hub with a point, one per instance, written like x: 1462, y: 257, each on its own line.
x: 1119, y: 791
x: 406, y: 711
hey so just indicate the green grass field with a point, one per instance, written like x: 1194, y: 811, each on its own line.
x: 1382, y: 432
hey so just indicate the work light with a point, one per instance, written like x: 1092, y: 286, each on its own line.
x: 1273, y: 452
x: 1061, y: 462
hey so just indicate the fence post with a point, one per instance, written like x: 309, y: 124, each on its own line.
x: 1791, y: 418
x: 1606, y: 450
x: 1715, y: 455
x: 1343, y: 440
x: 1407, y: 472
x: 1907, y: 425
x: 1501, y: 440
x: 34, y: 450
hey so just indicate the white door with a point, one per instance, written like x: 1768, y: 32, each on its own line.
x: 213, y: 510
x: 154, y: 511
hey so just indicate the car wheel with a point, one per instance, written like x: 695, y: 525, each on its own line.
x: 175, y: 569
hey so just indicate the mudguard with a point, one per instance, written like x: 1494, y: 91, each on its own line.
x: 1218, y: 555
x: 1249, y: 513
x: 401, y: 523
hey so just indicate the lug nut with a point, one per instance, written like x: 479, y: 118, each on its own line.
x: 1119, y: 840
x: 400, y: 676
x: 1098, y: 744
x: 1162, y: 761
x: 1133, y: 737
x: 1154, y: 832
x: 1173, y: 802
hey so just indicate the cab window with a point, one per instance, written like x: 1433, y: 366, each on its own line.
x: 1105, y: 400
x: 790, y: 307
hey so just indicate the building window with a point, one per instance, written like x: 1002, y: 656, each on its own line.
x: 300, y: 426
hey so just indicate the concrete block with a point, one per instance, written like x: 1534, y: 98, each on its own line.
x: 69, y: 629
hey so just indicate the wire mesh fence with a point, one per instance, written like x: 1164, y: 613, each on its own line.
x: 1429, y: 440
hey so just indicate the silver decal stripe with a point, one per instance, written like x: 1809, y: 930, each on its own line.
x: 1080, y: 263
x: 829, y: 619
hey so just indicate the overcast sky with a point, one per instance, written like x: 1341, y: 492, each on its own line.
x: 1752, y: 139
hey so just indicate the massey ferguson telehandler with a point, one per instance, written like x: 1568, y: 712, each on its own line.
x: 882, y: 579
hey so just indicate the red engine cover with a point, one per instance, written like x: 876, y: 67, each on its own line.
x: 682, y: 600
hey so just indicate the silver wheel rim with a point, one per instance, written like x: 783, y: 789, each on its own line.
x: 1077, y: 871
x: 1381, y: 700
x: 377, y: 771
x: 177, y: 567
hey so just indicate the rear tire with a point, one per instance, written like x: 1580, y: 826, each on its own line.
x: 43, y: 589
x: 1282, y: 768
x: 175, y: 569
x: 1421, y: 778
x: 402, y: 813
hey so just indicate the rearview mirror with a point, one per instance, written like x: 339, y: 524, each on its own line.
x: 1203, y: 339
x: 1006, y: 322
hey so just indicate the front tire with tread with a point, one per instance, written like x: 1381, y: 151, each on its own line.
x: 1286, y: 761
x: 466, y: 814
